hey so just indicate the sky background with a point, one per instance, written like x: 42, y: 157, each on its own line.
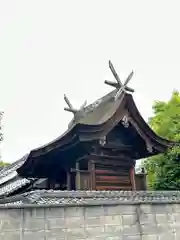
x: 48, y: 48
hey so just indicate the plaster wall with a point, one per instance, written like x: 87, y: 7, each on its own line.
x: 110, y: 222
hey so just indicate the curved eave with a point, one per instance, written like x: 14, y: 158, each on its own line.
x: 81, y: 132
x: 144, y: 127
x: 13, y: 185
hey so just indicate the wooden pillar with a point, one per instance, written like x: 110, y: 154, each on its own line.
x: 93, y: 176
x: 132, y: 177
x: 68, y: 181
x: 78, y: 180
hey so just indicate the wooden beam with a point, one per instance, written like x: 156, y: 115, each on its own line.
x: 110, y: 172
x: 71, y: 108
x: 110, y: 157
x: 118, y: 146
x: 110, y: 161
x: 114, y: 183
x: 121, y: 87
x: 116, y: 85
x: 117, y: 178
x: 80, y: 171
x: 113, y: 188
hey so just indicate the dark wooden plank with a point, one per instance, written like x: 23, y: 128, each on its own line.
x: 113, y: 188
x: 116, y: 177
x: 118, y: 146
x: 108, y: 171
x: 113, y: 183
x: 110, y: 151
x: 79, y: 171
x: 112, y: 179
x: 120, y: 165
x: 110, y: 156
x: 112, y: 171
x: 112, y: 159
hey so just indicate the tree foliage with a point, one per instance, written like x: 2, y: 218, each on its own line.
x: 3, y: 164
x: 164, y: 169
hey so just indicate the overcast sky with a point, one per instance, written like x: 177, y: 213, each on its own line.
x: 48, y: 48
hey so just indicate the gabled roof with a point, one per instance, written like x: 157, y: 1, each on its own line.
x: 98, y: 119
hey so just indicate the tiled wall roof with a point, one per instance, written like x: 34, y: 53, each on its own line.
x: 42, y: 197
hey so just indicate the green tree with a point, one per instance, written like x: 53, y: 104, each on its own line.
x: 3, y: 164
x: 164, y: 169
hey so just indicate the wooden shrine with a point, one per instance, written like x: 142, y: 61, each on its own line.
x: 100, y: 148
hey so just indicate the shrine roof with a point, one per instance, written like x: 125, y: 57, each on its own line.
x: 100, y: 111
x: 104, y: 112
x: 94, y: 117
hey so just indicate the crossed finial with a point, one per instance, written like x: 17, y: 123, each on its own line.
x: 122, y: 87
x: 73, y: 110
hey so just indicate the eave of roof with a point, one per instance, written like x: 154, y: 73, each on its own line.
x: 10, y: 170
x: 82, y: 131
x: 98, y: 122
x: 13, y: 185
x: 93, y: 124
x: 99, y: 118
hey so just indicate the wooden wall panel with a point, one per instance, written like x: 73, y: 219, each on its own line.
x: 113, y: 188
x: 112, y: 180
x: 111, y: 176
